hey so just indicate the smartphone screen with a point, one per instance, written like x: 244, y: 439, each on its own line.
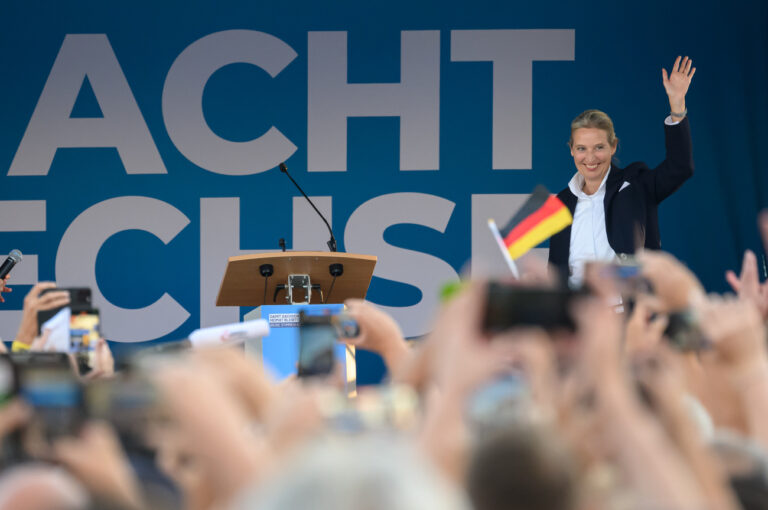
x: 317, y: 339
x: 84, y: 332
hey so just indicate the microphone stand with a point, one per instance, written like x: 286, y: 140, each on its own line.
x: 332, y: 241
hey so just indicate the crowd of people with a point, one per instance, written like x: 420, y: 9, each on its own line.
x: 611, y: 414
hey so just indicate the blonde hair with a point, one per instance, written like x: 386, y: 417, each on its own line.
x: 594, y: 119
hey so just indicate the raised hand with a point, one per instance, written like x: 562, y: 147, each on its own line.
x: 35, y: 301
x: 676, y: 83
x: 747, y: 284
x: 379, y: 333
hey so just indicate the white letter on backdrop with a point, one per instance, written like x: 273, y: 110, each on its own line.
x: 512, y: 53
x: 365, y: 234
x: 183, y: 102
x: 121, y: 125
x: 416, y: 100
x: 79, y: 248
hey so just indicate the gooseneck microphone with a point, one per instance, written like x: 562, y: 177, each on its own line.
x: 332, y: 240
x: 13, y: 258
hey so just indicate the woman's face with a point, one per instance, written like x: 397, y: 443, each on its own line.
x: 592, y: 153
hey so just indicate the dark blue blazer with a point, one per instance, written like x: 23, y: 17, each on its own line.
x: 631, y: 215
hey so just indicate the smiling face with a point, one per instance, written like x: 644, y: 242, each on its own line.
x: 592, y: 154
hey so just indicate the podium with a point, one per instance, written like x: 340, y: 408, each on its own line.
x: 283, y: 284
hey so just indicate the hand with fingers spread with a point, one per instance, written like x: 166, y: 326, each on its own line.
x: 676, y: 84
x: 747, y: 285
x: 37, y: 301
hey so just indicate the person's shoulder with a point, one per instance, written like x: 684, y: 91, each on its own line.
x: 632, y: 170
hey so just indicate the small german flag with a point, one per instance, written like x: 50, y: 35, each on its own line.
x: 540, y: 217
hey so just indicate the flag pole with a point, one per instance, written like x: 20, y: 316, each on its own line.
x: 497, y: 235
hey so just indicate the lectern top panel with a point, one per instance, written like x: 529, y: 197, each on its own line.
x: 243, y: 283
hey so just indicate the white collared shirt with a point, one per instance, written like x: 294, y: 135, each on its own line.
x: 589, y: 239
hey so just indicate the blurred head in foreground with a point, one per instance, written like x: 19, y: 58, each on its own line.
x: 521, y: 468
x: 347, y: 473
x: 40, y: 487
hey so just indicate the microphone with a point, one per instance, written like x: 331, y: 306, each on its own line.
x: 332, y: 240
x: 229, y: 334
x: 216, y: 336
x: 13, y: 258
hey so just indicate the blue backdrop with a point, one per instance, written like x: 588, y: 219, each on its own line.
x: 139, y: 140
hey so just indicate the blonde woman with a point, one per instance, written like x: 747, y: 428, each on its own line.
x: 615, y: 209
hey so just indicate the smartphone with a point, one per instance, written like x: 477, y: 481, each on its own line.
x: 74, y: 328
x: 317, y: 338
x: 48, y: 384
x: 58, y: 322
x: 508, y: 306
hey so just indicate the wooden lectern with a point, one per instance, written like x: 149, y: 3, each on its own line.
x: 252, y: 280
x: 281, y: 284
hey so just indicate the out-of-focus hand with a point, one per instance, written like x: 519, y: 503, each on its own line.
x: 4, y: 287
x: 533, y: 352
x: 675, y: 286
x: 243, y: 377
x: 35, y: 302
x: 98, y: 461
x: 535, y: 271
x: 294, y: 416
x: 378, y: 333
x: 464, y: 357
x: 747, y: 284
x: 12, y: 416
x: 103, y: 361
x: 645, y: 326
x: 678, y: 80
x: 737, y: 332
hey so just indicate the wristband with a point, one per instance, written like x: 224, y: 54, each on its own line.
x: 679, y: 115
x: 17, y: 346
